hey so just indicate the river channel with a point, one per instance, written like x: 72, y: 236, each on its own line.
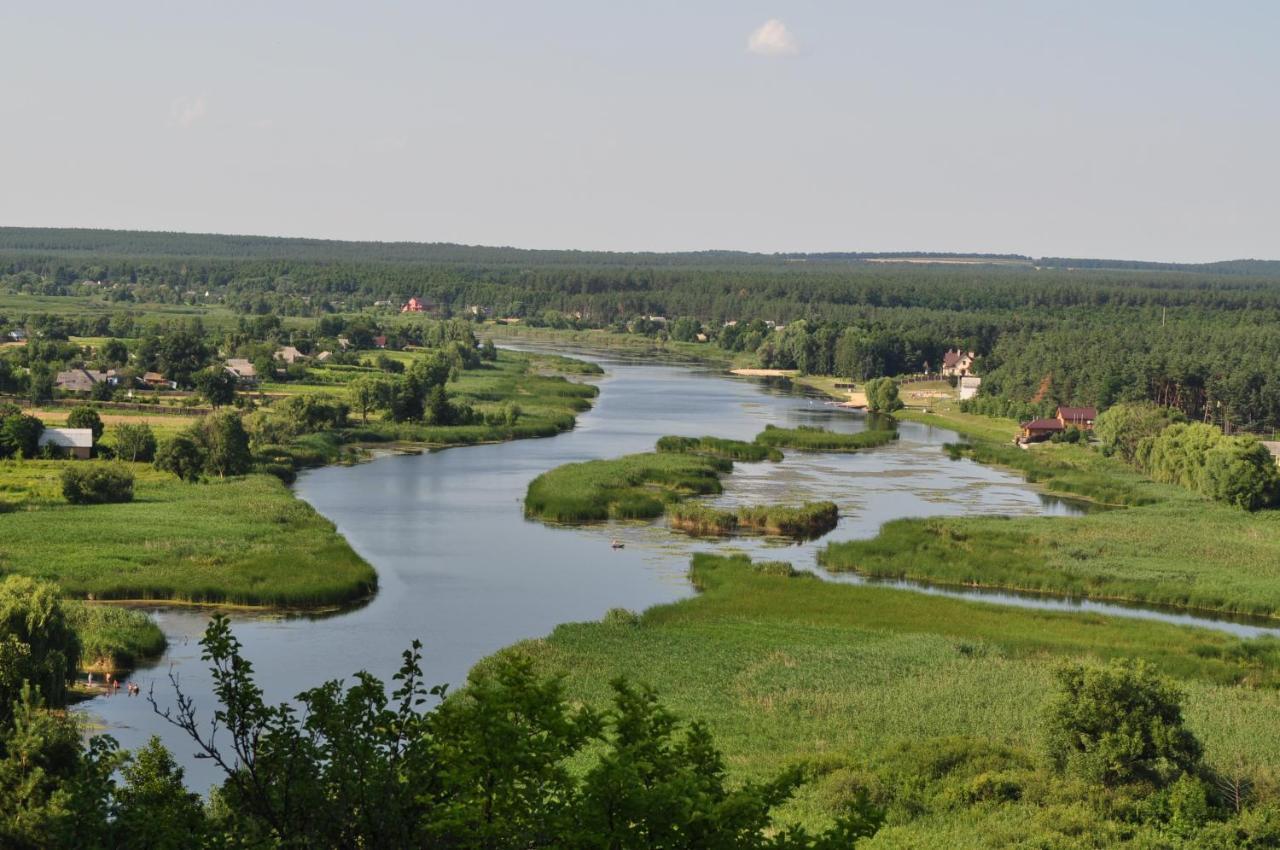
x: 460, y: 569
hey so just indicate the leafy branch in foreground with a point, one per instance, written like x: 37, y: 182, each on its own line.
x: 484, y: 768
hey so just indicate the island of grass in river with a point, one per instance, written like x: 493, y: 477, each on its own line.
x: 807, y: 521
x: 647, y: 485
x: 854, y: 682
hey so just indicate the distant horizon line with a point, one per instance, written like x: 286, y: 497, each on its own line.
x: 828, y: 253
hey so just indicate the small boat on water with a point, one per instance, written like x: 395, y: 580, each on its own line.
x: 616, y: 543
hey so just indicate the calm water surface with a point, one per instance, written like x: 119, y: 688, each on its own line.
x: 460, y: 569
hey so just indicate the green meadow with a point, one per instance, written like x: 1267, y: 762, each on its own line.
x: 242, y: 541
x: 909, y: 697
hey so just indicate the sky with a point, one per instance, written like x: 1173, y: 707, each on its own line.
x: 1138, y: 130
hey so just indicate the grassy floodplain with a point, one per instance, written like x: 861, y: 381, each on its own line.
x: 859, y: 682
x: 248, y: 540
x: 241, y: 541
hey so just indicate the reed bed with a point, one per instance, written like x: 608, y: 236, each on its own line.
x: 635, y: 486
x: 811, y: 439
x: 738, y: 450
x: 786, y: 669
x: 807, y: 521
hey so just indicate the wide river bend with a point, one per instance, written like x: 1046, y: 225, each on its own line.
x: 460, y: 569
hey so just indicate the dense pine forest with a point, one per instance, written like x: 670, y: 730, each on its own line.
x: 1201, y: 338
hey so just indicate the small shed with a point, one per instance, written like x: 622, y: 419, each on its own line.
x: 969, y: 386
x: 73, y: 442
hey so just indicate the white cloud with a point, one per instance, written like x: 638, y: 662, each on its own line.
x: 186, y: 111
x: 772, y: 39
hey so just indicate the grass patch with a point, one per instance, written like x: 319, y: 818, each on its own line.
x: 808, y: 521
x: 719, y: 447
x: 1073, y: 470
x: 1184, y: 553
x: 635, y: 486
x: 788, y: 670
x: 241, y: 541
x: 811, y: 439
x: 113, y: 639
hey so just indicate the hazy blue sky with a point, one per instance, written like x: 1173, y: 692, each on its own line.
x: 1118, y: 129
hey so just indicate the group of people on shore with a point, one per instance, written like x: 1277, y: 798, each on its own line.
x: 112, y: 685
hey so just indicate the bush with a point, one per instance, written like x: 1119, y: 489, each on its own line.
x: 182, y: 456
x: 97, y: 484
x: 1119, y: 723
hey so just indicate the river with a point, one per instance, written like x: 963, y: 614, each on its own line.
x: 460, y: 569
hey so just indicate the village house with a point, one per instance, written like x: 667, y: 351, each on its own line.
x: 1040, y: 429
x: 418, y: 305
x: 957, y: 363
x: 324, y: 356
x: 1077, y: 417
x: 156, y: 381
x: 1065, y: 417
x: 84, y: 380
x: 289, y: 354
x: 72, y: 442
x: 242, y: 369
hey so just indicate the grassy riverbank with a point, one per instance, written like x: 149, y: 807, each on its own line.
x: 244, y: 541
x: 852, y: 680
x: 249, y: 540
x: 113, y: 639
x: 1168, y: 547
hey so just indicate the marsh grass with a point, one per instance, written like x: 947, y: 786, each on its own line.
x: 807, y: 521
x: 811, y: 439
x: 111, y: 638
x: 1074, y: 470
x: 719, y: 447
x: 790, y: 670
x: 635, y: 486
x: 240, y: 540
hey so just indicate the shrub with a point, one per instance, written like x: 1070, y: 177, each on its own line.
x: 1119, y: 723
x: 182, y: 456
x: 97, y: 484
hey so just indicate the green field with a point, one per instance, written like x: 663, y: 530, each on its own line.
x: 860, y: 682
x: 244, y: 541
